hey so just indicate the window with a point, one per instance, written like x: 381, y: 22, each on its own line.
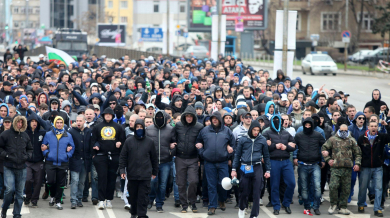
x: 22, y: 10
x: 16, y: 24
x: 36, y: 10
x: 330, y: 21
x: 15, y: 10
x: 123, y: 19
x: 156, y: 7
x: 299, y: 21
x: 30, y: 10
x: 110, y: 4
x: 368, y: 21
x: 22, y: 24
x: 182, y: 8
x: 124, y: 4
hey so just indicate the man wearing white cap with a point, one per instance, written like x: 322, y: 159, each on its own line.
x: 41, y: 59
x: 281, y: 105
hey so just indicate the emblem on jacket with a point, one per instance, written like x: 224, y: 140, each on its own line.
x: 108, y: 133
x: 40, y: 138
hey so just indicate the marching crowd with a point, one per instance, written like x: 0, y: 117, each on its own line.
x: 148, y: 127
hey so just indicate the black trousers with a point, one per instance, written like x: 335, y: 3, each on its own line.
x: 106, y: 170
x: 187, y: 176
x: 251, y: 185
x: 34, y: 178
x: 138, y: 196
x: 385, y: 180
x: 56, y: 179
x: 324, y: 177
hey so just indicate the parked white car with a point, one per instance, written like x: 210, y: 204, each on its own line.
x: 318, y: 64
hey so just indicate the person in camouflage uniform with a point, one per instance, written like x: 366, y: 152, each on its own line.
x: 344, y: 151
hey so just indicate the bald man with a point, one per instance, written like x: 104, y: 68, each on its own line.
x: 130, y: 129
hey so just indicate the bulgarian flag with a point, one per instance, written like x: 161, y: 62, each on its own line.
x: 59, y: 56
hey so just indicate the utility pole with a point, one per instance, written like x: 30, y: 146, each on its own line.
x: 168, y: 27
x: 285, y: 33
x: 219, y: 5
x: 346, y: 28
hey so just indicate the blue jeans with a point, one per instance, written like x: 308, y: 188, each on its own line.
x: 94, y: 183
x: 77, y: 185
x: 356, y: 175
x: 284, y: 168
x: 14, y: 181
x: 215, y: 172
x: 175, y: 187
x: 366, y: 174
x: 159, y: 184
x: 310, y: 176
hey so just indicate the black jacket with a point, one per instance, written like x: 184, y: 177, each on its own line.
x: 15, y: 145
x: 326, y: 117
x: 373, y: 157
x: 377, y: 104
x: 107, y: 134
x: 309, y: 145
x: 36, y: 138
x: 82, y: 151
x: 185, y: 135
x: 63, y: 114
x: 278, y: 135
x: 3, y: 93
x: 138, y: 157
x: 162, y: 137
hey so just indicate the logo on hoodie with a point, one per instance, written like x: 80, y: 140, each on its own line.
x: 108, y: 133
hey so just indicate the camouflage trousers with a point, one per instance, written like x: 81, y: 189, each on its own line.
x: 340, y: 179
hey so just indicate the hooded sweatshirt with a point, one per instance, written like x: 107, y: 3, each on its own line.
x: 266, y: 112
x: 376, y: 103
x: 354, y: 129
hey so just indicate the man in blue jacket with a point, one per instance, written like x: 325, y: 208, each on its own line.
x: 215, y: 144
x: 57, y: 148
x: 251, y: 148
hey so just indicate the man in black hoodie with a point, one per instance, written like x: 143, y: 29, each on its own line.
x: 55, y: 106
x: 107, y: 139
x: 186, y: 163
x: 138, y: 162
x: 310, y: 162
x: 377, y: 103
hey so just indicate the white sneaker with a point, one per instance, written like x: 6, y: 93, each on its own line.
x: 119, y: 194
x: 332, y: 209
x: 127, y: 206
x: 343, y: 211
x: 326, y: 188
x: 322, y: 199
x: 154, y: 203
x: 241, y: 213
x: 101, y: 205
x: 261, y: 202
x: 108, y: 204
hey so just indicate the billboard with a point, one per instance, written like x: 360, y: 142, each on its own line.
x: 108, y: 34
x: 253, y: 13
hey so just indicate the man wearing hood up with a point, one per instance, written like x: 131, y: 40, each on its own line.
x: 162, y: 135
x: 280, y: 144
x: 310, y: 162
x: 270, y: 109
x: 377, y: 103
x: 251, y: 149
x: 199, y: 108
x: 185, y: 133
x: 107, y: 140
x: 216, y: 157
x: 15, y: 150
x: 55, y: 106
x: 341, y: 162
x: 4, y: 112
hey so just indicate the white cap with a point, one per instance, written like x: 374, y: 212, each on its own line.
x: 41, y: 56
x: 150, y: 58
x: 113, y: 60
x: 127, y: 69
x: 284, y: 97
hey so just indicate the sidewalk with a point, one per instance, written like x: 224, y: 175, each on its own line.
x: 269, y: 66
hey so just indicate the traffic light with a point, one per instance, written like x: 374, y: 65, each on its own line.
x: 6, y: 27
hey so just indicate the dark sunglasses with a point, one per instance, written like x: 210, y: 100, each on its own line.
x: 361, y: 118
x: 112, y: 103
x: 248, y: 117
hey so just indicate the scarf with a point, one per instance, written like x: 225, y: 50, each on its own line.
x: 343, y: 134
x: 371, y: 137
x: 121, y: 120
x: 59, y: 131
x: 328, y: 113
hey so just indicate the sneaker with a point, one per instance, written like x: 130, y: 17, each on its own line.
x: 344, y: 211
x: 3, y: 213
x: 205, y: 204
x: 372, y: 199
x: 26, y: 201
x: 51, y: 203
x: 211, y: 212
x: 261, y: 202
x: 84, y: 199
x: 59, y: 207
x: 194, y: 209
x: 300, y: 200
x: 361, y: 209
x: 154, y: 202
x: 150, y: 205
x: 378, y: 213
x: 159, y: 210
x: 127, y: 207
x: 95, y: 201
x: 101, y: 205
x: 45, y: 195
x: 108, y: 204
x: 119, y: 194
x: 307, y: 212
x: 177, y: 203
x: 184, y: 210
x: 326, y: 188
x: 198, y: 199
x: 241, y: 213
x: 228, y: 201
x: 322, y: 199
x: 269, y: 204
x: 332, y: 209
x: 276, y: 212
x: 79, y: 204
x: 73, y: 206
x: 222, y: 205
x: 34, y: 204
x: 317, y: 211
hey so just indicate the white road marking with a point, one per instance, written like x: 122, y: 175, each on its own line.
x: 111, y: 213
x: 99, y: 212
x: 189, y: 214
x: 266, y: 211
x: 353, y: 215
x: 24, y: 210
